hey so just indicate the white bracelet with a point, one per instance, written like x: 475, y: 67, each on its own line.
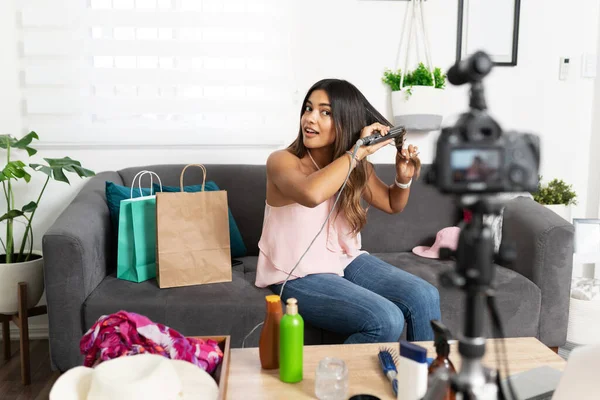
x: 403, y: 185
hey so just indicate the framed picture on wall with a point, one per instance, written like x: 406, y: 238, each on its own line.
x: 491, y: 26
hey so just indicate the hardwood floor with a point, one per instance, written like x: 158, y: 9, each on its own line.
x: 42, y: 377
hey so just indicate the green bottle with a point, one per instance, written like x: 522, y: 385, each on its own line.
x: 291, y: 343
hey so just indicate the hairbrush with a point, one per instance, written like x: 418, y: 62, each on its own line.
x: 387, y: 360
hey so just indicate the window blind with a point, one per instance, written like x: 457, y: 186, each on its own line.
x: 157, y: 72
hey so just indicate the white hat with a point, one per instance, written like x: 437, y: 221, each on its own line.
x: 141, y: 376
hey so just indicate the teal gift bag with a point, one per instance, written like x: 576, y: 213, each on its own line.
x: 136, y: 251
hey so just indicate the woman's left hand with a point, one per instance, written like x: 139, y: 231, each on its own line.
x: 407, y: 163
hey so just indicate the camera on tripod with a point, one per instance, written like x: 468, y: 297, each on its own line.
x: 475, y: 155
x: 474, y: 158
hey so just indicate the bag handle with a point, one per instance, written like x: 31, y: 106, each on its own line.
x: 133, y: 183
x: 193, y: 165
x: 139, y: 176
x: 151, y: 173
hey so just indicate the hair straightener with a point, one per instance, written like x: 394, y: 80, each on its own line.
x: 376, y: 137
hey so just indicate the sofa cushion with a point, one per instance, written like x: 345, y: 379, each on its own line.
x: 234, y: 308
x: 518, y: 299
x: 115, y: 194
x: 230, y: 308
x: 425, y: 214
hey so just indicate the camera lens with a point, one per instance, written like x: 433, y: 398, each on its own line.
x: 482, y: 65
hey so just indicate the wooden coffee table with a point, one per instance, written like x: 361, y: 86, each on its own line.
x: 248, y: 381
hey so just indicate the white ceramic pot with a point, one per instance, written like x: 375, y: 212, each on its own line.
x: 584, y: 321
x: 562, y: 210
x: 421, y: 111
x: 31, y: 272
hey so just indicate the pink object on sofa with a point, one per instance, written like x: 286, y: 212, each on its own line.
x: 447, y: 237
x: 126, y: 333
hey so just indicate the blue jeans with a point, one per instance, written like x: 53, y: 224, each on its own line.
x: 369, y: 304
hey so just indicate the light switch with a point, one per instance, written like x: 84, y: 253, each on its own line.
x: 563, y: 69
x: 588, y: 65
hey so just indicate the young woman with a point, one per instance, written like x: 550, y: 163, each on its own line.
x: 340, y: 287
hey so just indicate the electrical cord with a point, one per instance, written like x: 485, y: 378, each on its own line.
x: 358, y: 144
x: 497, y: 325
x: 251, y: 332
x: 499, y: 359
x: 356, y: 147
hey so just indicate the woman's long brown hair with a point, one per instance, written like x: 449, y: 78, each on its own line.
x: 351, y: 112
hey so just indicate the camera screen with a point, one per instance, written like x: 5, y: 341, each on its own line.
x: 475, y: 165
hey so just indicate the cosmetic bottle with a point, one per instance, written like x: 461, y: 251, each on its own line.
x: 268, y: 346
x: 291, y: 343
x: 412, y: 371
x: 442, y: 348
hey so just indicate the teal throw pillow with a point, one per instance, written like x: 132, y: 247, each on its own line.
x: 114, y: 194
x: 238, y: 248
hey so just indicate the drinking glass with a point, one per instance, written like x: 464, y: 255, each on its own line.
x: 331, y: 380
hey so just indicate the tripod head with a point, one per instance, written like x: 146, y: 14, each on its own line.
x: 475, y: 156
x: 474, y: 271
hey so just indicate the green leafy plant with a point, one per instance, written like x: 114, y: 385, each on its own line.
x: 419, y: 77
x: 17, y: 170
x: 555, y: 192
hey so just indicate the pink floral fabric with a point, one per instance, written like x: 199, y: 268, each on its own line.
x: 126, y: 333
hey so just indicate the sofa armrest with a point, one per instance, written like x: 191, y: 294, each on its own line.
x: 544, y: 244
x: 77, y: 252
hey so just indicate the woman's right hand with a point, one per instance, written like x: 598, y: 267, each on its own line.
x: 364, y: 151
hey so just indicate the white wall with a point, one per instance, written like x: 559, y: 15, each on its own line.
x: 593, y: 206
x: 10, y: 122
x: 356, y: 40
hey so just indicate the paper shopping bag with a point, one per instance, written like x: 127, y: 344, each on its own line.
x: 192, y: 233
x: 136, y: 249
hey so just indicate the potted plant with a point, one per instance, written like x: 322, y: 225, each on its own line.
x: 19, y: 262
x: 417, y: 101
x: 557, y: 196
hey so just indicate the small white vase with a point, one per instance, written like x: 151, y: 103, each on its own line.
x: 421, y: 111
x: 31, y: 272
x: 561, y: 209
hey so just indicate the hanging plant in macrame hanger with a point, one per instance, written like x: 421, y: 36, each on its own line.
x: 417, y: 95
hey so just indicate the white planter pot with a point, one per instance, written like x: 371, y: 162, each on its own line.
x: 560, y: 209
x: 31, y: 272
x: 584, y: 321
x: 423, y: 110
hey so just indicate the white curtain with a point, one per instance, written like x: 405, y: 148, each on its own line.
x: 156, y: 71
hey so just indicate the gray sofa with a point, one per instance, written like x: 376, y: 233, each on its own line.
x: 80, y: 258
